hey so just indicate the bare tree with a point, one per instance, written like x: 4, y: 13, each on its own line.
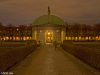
x: 97, y: 29
x: 10, y: 31
x: 22, y: 31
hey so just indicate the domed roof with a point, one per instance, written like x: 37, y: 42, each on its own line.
x: 48, y: 19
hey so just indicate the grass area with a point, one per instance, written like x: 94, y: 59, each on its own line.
x: 88, y: 52
x: 13, y: 52
x: 93, y: 45
x: 14, y: 43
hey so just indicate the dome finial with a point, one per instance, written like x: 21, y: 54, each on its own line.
x: 49, y: 11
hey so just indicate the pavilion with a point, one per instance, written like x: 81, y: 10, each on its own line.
x: 48, y: 28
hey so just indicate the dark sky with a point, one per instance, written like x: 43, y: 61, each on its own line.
x: 72, y: 11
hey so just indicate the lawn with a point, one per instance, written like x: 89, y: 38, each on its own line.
x: 93, y: 45
x: 12, y: 44
x: 13, y: 52
x: 89, y: 52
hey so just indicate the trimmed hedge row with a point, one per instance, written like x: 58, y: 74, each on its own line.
x: 10, y: 56
x: 88, y: 55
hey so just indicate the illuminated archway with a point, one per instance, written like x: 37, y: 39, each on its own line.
x: 48, y: 36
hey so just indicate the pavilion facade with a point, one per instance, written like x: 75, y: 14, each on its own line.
x: 48, y: 29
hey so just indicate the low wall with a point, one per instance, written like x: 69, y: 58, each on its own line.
x: 88, y: 55
x: 10, y: 56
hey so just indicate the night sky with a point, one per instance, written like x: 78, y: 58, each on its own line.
x: 71, y: 11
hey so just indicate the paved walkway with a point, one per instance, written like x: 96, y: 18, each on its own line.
x: 48, y: 61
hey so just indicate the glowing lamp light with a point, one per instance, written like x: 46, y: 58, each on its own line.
x: 72, y: 38
x: 4, y: 38
x: 97, y: 38
x: 48, y: 33
x: 69, y: 38
x: 83, y: 38
x: 80, y: 38
x: 89, y: 38
x: 48, y: 37
x: 66, y: 38
x: 14, y: 38
x: 76, y: 38
x: 17, y: 38
x: 24, y: 38
x: 17, y: 29
x: 86, y: 38
x: 28, y: 38
x: 7, y: 38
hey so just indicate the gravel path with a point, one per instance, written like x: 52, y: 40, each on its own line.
x: 48, y: 61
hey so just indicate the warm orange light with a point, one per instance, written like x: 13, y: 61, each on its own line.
x: 86, y: 38
x: 48, y: 37
x: 76, y: 38
x: 28, y: 38
x: 80, y: 38
x: 7, y: 38
x: 4, y: 38
x: 17, y: 29
x: 17, y: 38
x: 97, y: 38
x: 24, y: 38
x: 69, y: 38
x: 66, y: 38
x: 48, y: 33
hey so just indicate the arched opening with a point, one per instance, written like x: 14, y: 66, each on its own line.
x: 49, y: 37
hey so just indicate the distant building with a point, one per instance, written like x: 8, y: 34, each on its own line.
x: 48, y: 28
x: 19, y: 33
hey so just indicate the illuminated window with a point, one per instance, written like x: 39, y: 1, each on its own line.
x: 24, y: 38
x: 17, y: 38
x: 86, y: 38
x: 4, y: 38
x: 76, y: 38
x: 28, y: 38
x: 66, y: 38
x: 89, y: 38
x: 69, y: 38
x: 72, y: 38
x: 97, y: 38
x: 14, y: 38
x: 80, y: 38
x: 7, y: 38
